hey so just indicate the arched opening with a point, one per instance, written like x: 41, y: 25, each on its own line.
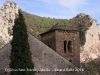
x: 49, y: 44
x: 70, y: 61
x: 69, y: 46
x: 65, y: 43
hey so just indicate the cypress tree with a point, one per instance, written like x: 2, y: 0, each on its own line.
x: 20, y: 50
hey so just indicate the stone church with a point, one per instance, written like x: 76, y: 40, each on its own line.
x: 58, y: 50
x: 65, y: 41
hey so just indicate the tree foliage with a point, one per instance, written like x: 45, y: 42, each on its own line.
x: 82, y: 23
x: 37, y: 25
x: 92, y: 67
x: 20, y: 50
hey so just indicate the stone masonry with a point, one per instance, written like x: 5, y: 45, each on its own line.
x: 42, y: 57
x: 65, y: 41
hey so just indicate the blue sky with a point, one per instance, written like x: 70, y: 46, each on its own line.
x: 65, y: 9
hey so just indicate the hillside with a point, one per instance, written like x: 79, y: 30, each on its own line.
x: 93, y: 67
x: 36, y: 24
x: 82, y: 22
x: 88, y: 29
x: 87, y: 26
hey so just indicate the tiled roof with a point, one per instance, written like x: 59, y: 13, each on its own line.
x: 60, y: 26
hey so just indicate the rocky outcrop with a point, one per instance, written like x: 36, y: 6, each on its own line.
x: 89, y: 36
x: 91, y: 48
x: 7, y: 16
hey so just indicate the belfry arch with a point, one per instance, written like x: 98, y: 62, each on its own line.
x: 65, y: 41
x: 69, y: 46
x: 65, y: 46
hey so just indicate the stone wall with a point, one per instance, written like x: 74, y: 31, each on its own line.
x: 72, y: 51
x: 42, y: 56
x: 49, y: 40
x: 4, y: 58
x: 55, y: 40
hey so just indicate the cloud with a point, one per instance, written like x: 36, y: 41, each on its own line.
x: 71, y: 4
x: 56, y: 8
x: 61, y: 8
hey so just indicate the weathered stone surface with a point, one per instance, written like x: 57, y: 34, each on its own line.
x: 7, y: 16
x: 65, y: 41
x: 91, y: 49
x: 42, y: 56
x: 4, y: 58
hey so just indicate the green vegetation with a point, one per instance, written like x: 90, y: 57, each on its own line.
x: 82, y: 23
x: 93, y: 67
x: 20, y: 50
x: 37, y: 25
x: 1, y: 44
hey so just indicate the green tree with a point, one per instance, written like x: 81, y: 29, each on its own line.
x: 20, y: 50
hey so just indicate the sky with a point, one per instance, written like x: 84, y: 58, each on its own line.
x: 63, y: 9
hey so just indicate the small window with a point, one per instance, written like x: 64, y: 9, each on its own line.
x: 69, y: 46
x: 65, y: 43
x: 44, y: 53
x: 49, y: 44
x: 5, y: 73
x: 70, y: 61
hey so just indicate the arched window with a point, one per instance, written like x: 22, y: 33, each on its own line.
x: 49, y: 44
x: 70, y: 61
x: 69, y: 46
x: 65, y: 44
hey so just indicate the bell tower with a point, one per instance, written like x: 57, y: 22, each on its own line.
x: 65, y: 41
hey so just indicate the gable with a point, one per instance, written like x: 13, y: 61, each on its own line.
x: 42, y: 56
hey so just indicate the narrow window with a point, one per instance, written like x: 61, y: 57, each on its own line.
x: 65, y: 42
x: 69, y: 46
x: 70, y: 61
x: 49, y: 44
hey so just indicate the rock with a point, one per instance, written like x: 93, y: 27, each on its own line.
x: 91, y: 49
x: 7, y: 16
